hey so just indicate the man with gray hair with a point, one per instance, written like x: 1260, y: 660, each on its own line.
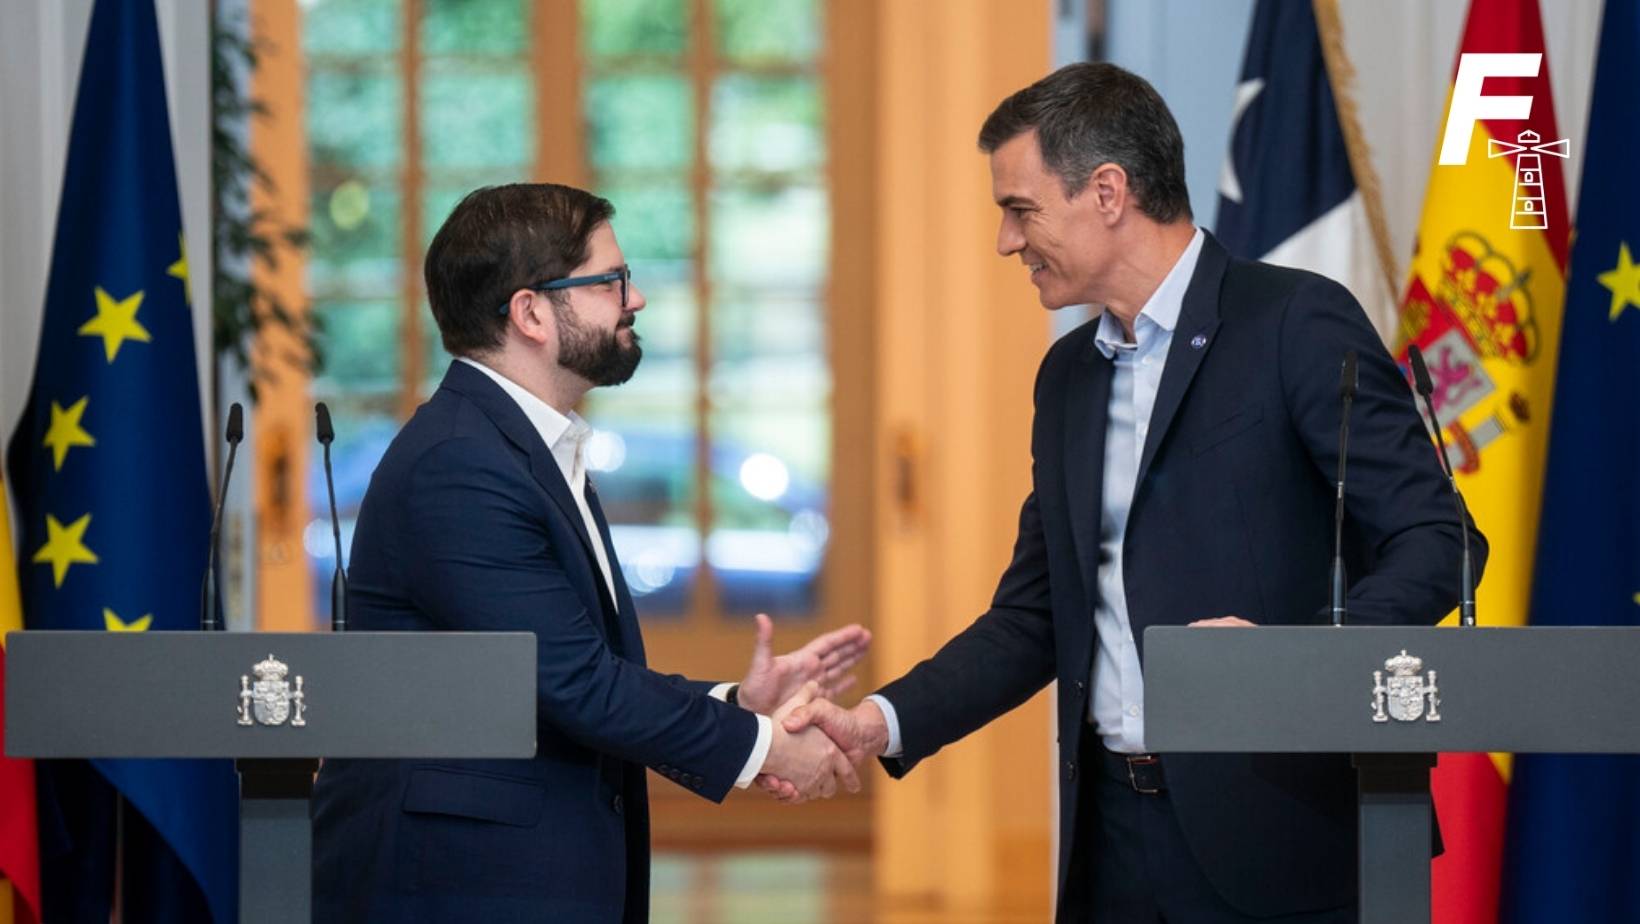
x: 1182, y: 453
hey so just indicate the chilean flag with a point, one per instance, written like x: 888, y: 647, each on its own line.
x: 1287, y: 194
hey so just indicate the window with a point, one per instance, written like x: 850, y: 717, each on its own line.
x: 705, y: 126
x: 704, y: 121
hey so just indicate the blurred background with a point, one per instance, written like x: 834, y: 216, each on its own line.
x: 831, y: 420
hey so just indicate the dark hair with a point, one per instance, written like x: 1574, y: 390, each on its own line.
x: 1090, y: 114
x: 500, y: 239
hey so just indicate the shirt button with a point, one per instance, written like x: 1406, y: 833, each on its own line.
x: 1070, y: 771
x: 1133, y: 711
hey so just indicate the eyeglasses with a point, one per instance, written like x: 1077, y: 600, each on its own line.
x: 622, y: 275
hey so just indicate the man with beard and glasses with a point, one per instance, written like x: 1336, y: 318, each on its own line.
x: 480, y: 518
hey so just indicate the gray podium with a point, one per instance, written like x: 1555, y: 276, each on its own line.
x: 1348, y: 690
x: 276, y: 703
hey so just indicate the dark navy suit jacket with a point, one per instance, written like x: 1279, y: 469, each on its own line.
x: 1231, y: 515
x: 469, y: 525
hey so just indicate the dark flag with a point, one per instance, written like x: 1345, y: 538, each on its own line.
x: 108, y: 470
x: 1573, y: 848
x: 1288, y: 193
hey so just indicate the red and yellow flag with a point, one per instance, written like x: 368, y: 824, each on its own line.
x: 1483, y: 302
x: 19, y: 839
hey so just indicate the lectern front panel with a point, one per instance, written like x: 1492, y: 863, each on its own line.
x: 270, y: 694
x: 1371, y: 690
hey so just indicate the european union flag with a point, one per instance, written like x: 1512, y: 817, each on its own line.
x: 109, y: 473
x: 1574, y: 821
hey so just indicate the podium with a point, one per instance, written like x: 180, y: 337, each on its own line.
x: 1357, y: 690
x: 276, y: 703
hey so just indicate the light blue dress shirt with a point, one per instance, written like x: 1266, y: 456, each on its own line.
x: 1117, y: 708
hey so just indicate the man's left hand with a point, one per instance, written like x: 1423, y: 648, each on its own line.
x: 826, y: 660
x: 1224, y: 621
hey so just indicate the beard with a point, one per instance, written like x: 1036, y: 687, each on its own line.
x: 595, y: 355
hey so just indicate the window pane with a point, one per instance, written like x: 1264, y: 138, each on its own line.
x: 473, y: 27
x: 437, y: 202
x: 779, y: 326
x: 476, y: 116
x: 768, y: 30
x: 770, y: 237
x: 654, y: 221
x: 625, y: 28
x: 640, y: 122
x: 361, y: 346
x: 640, y: 459
x: 356, y: 235
x: 770, y: 496
x: 353, y: 116
x: 350, y: 27
x: 364, y: 427
x: 667, y: 325
x: 771, y: 124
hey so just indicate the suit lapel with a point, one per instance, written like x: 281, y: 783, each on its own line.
x: 631, y: 640
x: 1192, y: 337
x: 509, y: 418
x: 1087, y: 410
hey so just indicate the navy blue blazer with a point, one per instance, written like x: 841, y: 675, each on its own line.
x: 469, y: 525
x: 1231, y: 515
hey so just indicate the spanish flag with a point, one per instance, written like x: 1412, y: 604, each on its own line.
x: 1483, y: 302
x: 19, y: 833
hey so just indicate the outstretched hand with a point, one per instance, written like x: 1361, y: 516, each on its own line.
x: 772, y: 680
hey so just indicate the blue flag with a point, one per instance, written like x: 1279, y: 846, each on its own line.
x: 108, y: 469
x: 1287, y: 194
x: 1573, y: 851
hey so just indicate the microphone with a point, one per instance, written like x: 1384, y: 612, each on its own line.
x: 338, y: 580
x: 1348, y: 378
x: 1426, y: 388
x: 210, y: 610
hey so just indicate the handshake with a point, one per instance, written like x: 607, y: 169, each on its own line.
x: 817, y: 744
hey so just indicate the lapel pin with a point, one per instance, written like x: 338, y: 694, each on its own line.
x: 1198, y: 341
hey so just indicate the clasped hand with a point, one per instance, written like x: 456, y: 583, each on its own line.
x: 805, y: 759
x: 844, y: 737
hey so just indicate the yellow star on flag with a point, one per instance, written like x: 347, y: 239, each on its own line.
x: 113, y: 623
x: 116, y: 322
x: 65, y: 547
x: 179, y: 269
x: 65, y: 432
x: 1624, y: 282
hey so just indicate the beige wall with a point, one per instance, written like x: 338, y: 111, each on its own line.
x: 958, y: 335
x: 283, y: 422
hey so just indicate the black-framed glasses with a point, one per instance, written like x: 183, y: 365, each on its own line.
x: 622, y: 275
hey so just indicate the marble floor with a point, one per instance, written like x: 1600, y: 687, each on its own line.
x: 787, y: 887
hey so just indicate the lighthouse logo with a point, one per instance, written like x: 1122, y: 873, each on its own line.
x: 1470, y: 105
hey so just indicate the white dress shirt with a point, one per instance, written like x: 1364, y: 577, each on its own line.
x: 1118, y: 705
x: 565, y: 436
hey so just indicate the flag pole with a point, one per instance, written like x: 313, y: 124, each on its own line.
x: 1341, y: 73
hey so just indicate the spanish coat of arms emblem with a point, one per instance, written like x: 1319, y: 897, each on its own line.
x: 1405, y: 692
x: 271, y: 700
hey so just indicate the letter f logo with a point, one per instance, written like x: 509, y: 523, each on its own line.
x: 1470, y: 106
